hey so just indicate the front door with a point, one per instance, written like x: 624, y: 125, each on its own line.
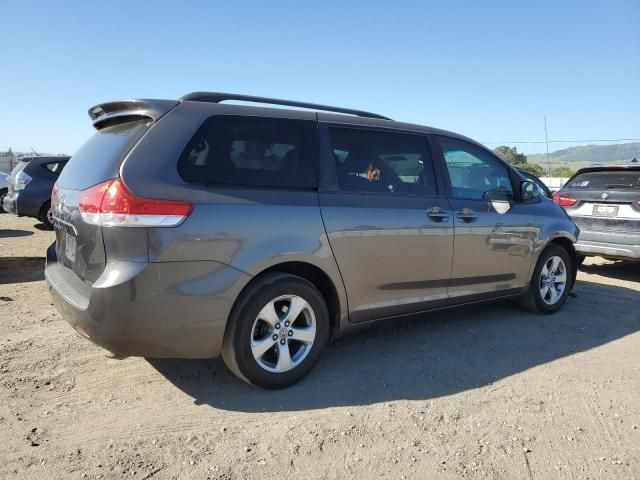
x: 390, y: 232
x: 494, y: 234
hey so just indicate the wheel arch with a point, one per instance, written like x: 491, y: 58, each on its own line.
x: 313, y: 274
x: 567, y: 244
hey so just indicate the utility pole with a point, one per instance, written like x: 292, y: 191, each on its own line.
x: 546, y: 139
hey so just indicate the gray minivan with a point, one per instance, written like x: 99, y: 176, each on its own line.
x: 196, y: 228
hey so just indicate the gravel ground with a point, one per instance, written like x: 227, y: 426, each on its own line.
x: 484, y: 392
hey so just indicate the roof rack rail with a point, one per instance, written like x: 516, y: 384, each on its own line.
x: 217, y: 97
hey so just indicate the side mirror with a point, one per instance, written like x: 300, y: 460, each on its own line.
x: 528, y: 191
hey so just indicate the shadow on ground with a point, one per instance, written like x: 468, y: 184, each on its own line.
x: 21, y: 269
x: 8, y: 233
x: 620, y: 270
x: 436, y: 355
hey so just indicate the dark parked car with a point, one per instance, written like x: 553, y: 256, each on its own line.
x: 193, y: 228
x: 604, y: 201
x: 29, y: 187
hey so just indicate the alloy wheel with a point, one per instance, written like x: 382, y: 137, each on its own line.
x: 553, y: 280
x: 283, y: 333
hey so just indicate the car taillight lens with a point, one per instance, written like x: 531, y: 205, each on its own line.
x: 54, y: 190
x: 564, y: 200
x: 111, y: 204
x: 22, y: 180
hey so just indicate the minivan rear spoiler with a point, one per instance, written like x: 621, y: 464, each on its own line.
x: 106, y: 114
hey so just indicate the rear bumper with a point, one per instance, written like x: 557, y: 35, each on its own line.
x: 22, y: 204
x: 609, y: 245
x: 159, y: 310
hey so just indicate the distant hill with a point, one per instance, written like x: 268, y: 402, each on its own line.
x: 587, y: 154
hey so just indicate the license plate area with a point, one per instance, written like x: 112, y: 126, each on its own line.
x: 605, y: 210
x: 70, y: 247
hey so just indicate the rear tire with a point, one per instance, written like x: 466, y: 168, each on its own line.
x: 45, y: 216
x: 551, y: 281
x: 276, y: 331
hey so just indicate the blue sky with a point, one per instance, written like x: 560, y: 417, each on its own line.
x: 489, y: 70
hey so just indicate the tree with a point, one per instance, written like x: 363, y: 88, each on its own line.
x: 511, y: 155
x: 12, y: 158
x: 564, y: 172
x: 533, y: 168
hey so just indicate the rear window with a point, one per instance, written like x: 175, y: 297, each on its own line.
x: 604, y: 180
x: 252, y: 151
x: 100, y: 157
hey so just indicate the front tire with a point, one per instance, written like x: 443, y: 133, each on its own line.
x: 276, y: 331
x: 551, y: 281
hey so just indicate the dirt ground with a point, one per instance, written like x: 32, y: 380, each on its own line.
x: 484, y: 392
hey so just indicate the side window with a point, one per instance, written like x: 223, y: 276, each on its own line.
x: 382, y: 162
x: 474, y: 173
x: 252, y: 151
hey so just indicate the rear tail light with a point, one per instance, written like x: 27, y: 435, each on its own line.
x: 563, y: 200
x: 111, y: 204
x: 22, y: 180
x: 54, y: 190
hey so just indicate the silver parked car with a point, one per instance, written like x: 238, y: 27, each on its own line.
x: 605, y: 203
x: 193, y: 228
x: 4, y: 188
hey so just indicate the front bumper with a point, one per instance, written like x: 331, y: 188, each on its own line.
x: 155, y: 310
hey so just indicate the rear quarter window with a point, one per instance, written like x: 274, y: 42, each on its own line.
x: 252, y: 151
x: 100, y: 157
x: 55, y: 167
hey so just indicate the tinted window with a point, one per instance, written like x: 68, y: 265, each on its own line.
x: 55, y: 167
x: 474, y: 173
x: 604, y: 180
x: 382, y: 162
x: 252, y: 151
x: 100, y: 157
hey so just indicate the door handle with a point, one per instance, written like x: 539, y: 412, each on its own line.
x: 466, y: 215
x: 437, y: 214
